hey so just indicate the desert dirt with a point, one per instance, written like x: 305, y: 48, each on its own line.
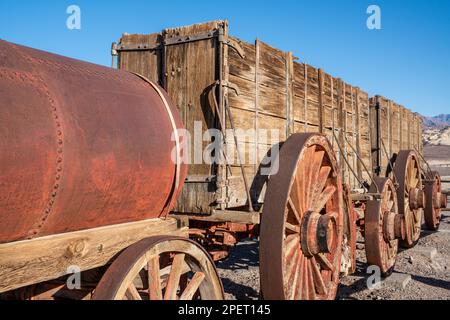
x: 430, y: 278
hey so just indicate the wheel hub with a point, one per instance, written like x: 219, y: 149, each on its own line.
x: 394, y: 226
x: 416, y: 199
x: 319, y: 233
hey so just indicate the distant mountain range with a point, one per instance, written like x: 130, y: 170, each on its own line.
x: 438, y: 122
x: 436, y: 130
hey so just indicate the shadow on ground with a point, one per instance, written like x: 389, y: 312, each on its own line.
x: 244, y: 255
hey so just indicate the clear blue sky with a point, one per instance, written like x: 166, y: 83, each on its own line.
x: 408, y: 60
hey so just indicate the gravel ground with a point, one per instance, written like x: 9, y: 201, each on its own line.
x: 429, y: 279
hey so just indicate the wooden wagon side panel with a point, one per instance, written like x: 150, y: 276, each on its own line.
x: 260, y: 111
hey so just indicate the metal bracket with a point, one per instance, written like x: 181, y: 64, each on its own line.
x: 232, y: 44
x: 136, y: 47
x: 184, y: 39
x: 230, y: 85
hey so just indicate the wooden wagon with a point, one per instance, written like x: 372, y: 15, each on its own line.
x: 346, y: 160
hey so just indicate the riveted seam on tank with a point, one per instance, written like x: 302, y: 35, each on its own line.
x: 59, y: 160
x: 35, y: 77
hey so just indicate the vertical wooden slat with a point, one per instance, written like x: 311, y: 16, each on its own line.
x: 289, y: 94
x: 305, y: 102
x: 257, y: 81
x: 321, y: 111
x: 223, y: 75
x: 358, y: 133
x: 333, y: 113
x: 389, y: 131
x: 341, y: 120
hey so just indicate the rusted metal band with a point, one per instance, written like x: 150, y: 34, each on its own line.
x: 174, y: 128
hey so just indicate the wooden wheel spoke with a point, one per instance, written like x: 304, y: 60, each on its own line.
x: 296, y: 276
x: 299, y: 282
x: 291, y: 266
x: 292, y: 228
x: 292, y: 242
x: 324, y: 198
x: 294, y: 210
x: 324, y: 262
x: 414, y: 178
x: 298, y: 192
x: 308, y: 160
x: 154, y: 278
x: 132, y: 293
x: 318, y: 280
x: 193, y: 286
x: 174, y: 277
x: 304, y: 288
x: 321, y: 180
x: 314, y: 177
x: 311, y: 286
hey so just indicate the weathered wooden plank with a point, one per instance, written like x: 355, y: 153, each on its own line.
x: 144, y: 62
x: 33, y: 261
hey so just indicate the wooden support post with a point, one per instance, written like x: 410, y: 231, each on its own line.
x: 223, y: 95
x: 333, y: 113
x: 342, y: 126
x: 389, y: 133
x: 305, y: 102
x: 257, y: 81
x: 358, y: 133
x: 289, y: 94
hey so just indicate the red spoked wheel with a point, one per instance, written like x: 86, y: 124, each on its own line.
x: 302, y: 223
x: 161, y: 268
x: 411, y: 198
x: 435, y: 201
x: 383, y: 226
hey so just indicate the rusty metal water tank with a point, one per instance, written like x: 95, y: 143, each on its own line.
x: 81, y: 146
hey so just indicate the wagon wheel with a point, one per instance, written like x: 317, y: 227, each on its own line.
x: 435, y: 201
x: 302, y: 223
x: 383, y: 226
x: 161, y: 268
x: 410, y: 195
